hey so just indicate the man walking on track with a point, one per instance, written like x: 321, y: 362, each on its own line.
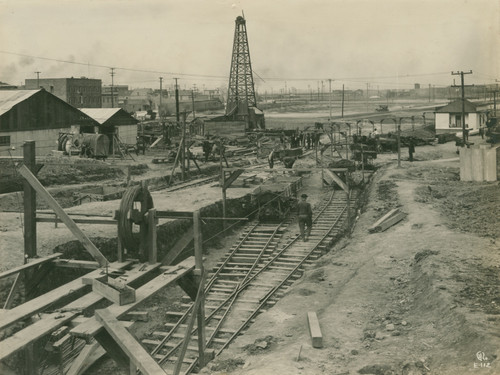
x: 305, y: 217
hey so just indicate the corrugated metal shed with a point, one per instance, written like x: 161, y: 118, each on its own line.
x: 9, y: 98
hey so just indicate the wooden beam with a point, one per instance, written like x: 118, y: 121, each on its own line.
x: 82, y: 264
x: 51, y: 322
x: 91, y: 248
x: 13, y: 289
x: 135, y: 352
x: 391, y: 221
x: 382, y: 219
x: 120, y: 297
x: 113, y: 349
x: 174, y: 214
x: 152, y: 236
x: 77, y: 221
x: 27, y: 309
x: 27, y: 336
x: 34, y: 262
x: 337, y: 180
x: 315, y: 330
x: 179, y: 247
x: 82, y: 359
x: 232, y: 177
x: 92, y: 327
x: 29, y: 154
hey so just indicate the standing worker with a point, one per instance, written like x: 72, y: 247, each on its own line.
x: 305, y: 217
x: 411, y: 149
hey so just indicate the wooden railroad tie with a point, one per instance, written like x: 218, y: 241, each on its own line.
x: 315, y: 330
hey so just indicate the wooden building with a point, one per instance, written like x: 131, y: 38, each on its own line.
x: 36, y: 115
x: 114, y: 121
x: 449, y: 117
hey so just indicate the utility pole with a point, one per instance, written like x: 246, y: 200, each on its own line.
x: 429, y: 92
x: 159, y: 110
x: 112, y: 88
x: 37, y: 79
x: 330, y: 92
x: 461, y: 73
x: 192, y: 100
x: 177, y: 101
x: 343, y: 101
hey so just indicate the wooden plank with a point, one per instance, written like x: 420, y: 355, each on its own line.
x: 113, y: 349
x: 27, y: 336
x: 10, y: 298
x: 232, y: 177
x: 179, y: 247
x: 91, y: 248
x: 92, y: 327
x: 142, y: 316
x: 385, y: 217
x: 136, y: 353
x: 18, y: 313
x: 50, y: 322
x: 34, y: 262
x: 81, y: 360
x: 77, y: 221
x: 70, y: 263
x: 121, y: 297
x: 391, y: 221
x: 337, y: 180
x: 314, y: 330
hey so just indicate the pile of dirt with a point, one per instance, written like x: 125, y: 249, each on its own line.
x: 464, y: 204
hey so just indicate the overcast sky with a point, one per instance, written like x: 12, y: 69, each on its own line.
x: 386, y: 43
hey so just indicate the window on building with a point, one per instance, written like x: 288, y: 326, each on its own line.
x: 5, y: 140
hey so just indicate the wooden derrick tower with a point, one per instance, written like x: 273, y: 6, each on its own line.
x: 241, y: 100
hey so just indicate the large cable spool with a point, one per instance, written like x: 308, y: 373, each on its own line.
x: 135, y: 203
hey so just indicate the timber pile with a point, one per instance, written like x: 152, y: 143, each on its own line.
x: 391, y: 218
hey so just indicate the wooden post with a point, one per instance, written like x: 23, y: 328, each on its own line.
x: 362, y: 164
x: 198, y: 256
x: 399, y: 146
x: 29, y: 202
x: 119, y: 244
x: 223, y: 184
x: 143, y: 230
x: 152, y: 251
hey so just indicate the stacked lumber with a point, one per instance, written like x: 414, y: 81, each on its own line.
x: 391, y: 218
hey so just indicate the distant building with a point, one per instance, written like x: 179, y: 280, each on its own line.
x: 114, y: 121
x: 119, y: 97
x: 36, y: 115
x: 79, y: 92
x: 6, y: 86
x: 139, y: 100
x: 449, y: 117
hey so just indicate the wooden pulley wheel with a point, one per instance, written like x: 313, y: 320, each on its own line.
x: 135, y: 203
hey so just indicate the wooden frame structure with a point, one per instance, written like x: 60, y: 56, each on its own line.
x: 64, y: 306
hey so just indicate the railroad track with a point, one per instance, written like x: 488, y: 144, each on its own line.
x: 255, y: 272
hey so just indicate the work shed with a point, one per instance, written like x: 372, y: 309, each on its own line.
x: 36, y: 115
x: 114, y: 121
x: 449, y: 117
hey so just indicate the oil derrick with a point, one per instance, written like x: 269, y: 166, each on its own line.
x: 241, y: 100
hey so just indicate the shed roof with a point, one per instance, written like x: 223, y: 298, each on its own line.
x: 456, y: 107
x: 9, y: 98
x: 101, y: 115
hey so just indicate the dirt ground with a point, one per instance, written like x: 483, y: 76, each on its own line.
x: 422, y: 297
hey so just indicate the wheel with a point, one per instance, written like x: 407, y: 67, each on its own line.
x: 136, y: 201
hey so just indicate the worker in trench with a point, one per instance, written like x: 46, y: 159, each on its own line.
x: 305, y: 217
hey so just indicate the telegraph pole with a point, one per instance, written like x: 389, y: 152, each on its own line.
x: 330, y: 92
x: 37, y: 79
x: 343, y: 101
x: 112, y: 88
x: 159, y: 111
x: 177, y: 101
x: 461, y: 73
